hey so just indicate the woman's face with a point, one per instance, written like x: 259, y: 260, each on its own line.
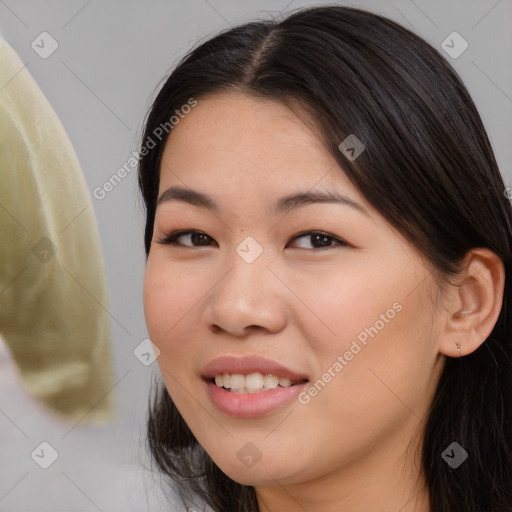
x: 329, y: 294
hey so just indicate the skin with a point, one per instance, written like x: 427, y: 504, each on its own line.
x: 355, y: 445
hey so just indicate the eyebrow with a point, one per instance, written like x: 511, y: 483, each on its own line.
x: 284, y: 204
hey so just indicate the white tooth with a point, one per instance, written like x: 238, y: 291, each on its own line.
x: 270, y: 381
x: 237, y: 381
x: 254, y: 381
x: 284, y: 382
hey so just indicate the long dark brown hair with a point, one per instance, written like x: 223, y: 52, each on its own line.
x: 428, y: 168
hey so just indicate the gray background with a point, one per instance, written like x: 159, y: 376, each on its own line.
x: 110, y: 60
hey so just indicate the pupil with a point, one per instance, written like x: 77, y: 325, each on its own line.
x: 195, y: 237
x: 322, y: 238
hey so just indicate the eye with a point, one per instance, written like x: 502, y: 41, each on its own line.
x: 318, y: 239
x: 192, y: 234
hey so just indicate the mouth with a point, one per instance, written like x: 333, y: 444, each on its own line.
x: 252, y: 383
x: 251, y: 386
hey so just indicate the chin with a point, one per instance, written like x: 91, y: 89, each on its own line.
x: 252, y: 476
x: 264, y: 471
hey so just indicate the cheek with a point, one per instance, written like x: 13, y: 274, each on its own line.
x: 368, y: 329
x: 337, y: 307
x: 169, y: 297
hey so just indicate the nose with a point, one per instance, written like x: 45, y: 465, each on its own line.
x: 247, y: 298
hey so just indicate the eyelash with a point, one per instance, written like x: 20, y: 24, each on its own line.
x: 170, y: 238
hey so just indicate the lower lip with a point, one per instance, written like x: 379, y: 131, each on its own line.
x: 252, y: 405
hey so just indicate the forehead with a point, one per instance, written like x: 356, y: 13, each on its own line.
x: 234, y: 122
x: 231, y: 140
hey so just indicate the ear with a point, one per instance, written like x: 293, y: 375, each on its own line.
x: 475, y: 304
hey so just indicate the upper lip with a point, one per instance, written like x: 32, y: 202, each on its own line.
x: 247, y: 365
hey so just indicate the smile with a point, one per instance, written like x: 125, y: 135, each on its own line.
x: 252, y: 383
x: 250, y: 386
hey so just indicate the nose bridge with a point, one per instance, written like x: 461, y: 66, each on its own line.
x: 248, y: 264
x: 249, y: 250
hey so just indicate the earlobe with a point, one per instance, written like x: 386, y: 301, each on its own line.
x: 476, y: 304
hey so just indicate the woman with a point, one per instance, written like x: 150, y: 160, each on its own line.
x: 327, y: 241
